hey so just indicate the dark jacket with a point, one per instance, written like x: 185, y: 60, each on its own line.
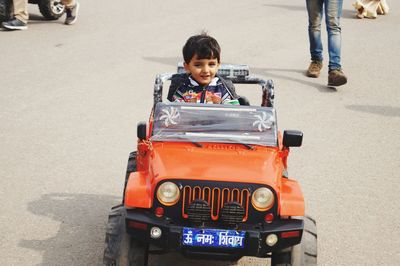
x: 184, y: 88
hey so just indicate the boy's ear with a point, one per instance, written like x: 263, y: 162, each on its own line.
x: 186, y: 66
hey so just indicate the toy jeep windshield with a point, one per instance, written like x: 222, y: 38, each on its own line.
x: 210, y: 181
x: 182, y: 122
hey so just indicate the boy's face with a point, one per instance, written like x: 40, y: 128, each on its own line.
x: 202, y: 70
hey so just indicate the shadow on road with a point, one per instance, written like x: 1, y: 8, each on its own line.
x: 388, y: 111
x: 290, y: 8
x: 80, y: 238
x: 34, y: 17
x: 176, y: 259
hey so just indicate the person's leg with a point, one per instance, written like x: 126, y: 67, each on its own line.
x: 72, y: 9
x: 333, y: 12
x: 21, y: 10
x: 314, y: 10
x: 21, y: 16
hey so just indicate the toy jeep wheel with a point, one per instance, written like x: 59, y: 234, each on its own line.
x: 302, y: 254
x: 5, y: 10
x: 120, y: 248
x: 51, y: 9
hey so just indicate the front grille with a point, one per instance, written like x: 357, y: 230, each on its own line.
x: 231, y: 203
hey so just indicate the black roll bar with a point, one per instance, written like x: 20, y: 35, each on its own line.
x: 267, y: 87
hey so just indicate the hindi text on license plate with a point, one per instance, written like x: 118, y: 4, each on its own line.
x: 213, y: 238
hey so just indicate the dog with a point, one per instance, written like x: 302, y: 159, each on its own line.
x: 371, y: 8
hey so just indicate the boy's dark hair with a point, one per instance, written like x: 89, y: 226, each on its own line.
x: 206, y: 47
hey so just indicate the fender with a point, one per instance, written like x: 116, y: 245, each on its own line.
x: 138, y: 191
x: 291, y: 198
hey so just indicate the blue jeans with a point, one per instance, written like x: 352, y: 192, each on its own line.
x: 333, y: 12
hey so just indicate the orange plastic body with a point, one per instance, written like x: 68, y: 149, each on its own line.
x: 157, y: 161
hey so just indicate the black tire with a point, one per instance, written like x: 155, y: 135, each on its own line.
x: 120, y: 248
x: 51, y: 9
x: 6, y: 11
x: 302, y: 254
x: 131, y: 167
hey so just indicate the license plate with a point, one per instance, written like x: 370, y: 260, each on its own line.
x: 213, y: 238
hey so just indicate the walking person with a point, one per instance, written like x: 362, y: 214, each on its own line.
x: 21, y: 16
x: 333, y: 11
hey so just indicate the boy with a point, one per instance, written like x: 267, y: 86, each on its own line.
x: 201, y: 84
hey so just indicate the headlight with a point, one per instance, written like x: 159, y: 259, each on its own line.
x: 262, y: 199
x: 168, y: 193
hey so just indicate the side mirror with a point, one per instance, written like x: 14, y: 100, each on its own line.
x: 292, y: 138
x: 142, y: 130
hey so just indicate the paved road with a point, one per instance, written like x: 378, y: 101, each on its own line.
x: 71, y: 97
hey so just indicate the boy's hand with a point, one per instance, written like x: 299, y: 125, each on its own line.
x: 211, y: 97
x: 215, y: 99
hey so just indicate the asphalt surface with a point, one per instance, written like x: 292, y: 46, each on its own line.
x: 71, y: 97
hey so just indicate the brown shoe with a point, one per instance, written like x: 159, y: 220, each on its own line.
x: 314, y: 69
x: 336, y: 77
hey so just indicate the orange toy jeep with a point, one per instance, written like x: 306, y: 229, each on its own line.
x: 210, y: 181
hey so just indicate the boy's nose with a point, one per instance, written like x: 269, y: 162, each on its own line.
x: 205, y: 69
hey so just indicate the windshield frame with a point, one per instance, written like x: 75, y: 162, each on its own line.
x: 233, y: 124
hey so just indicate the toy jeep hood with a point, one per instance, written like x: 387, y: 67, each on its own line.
x: 215, y: 162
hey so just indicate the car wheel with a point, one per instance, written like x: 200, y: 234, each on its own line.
x: 302, y: 254
x: 51, y: 9
x: 120, y: 248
